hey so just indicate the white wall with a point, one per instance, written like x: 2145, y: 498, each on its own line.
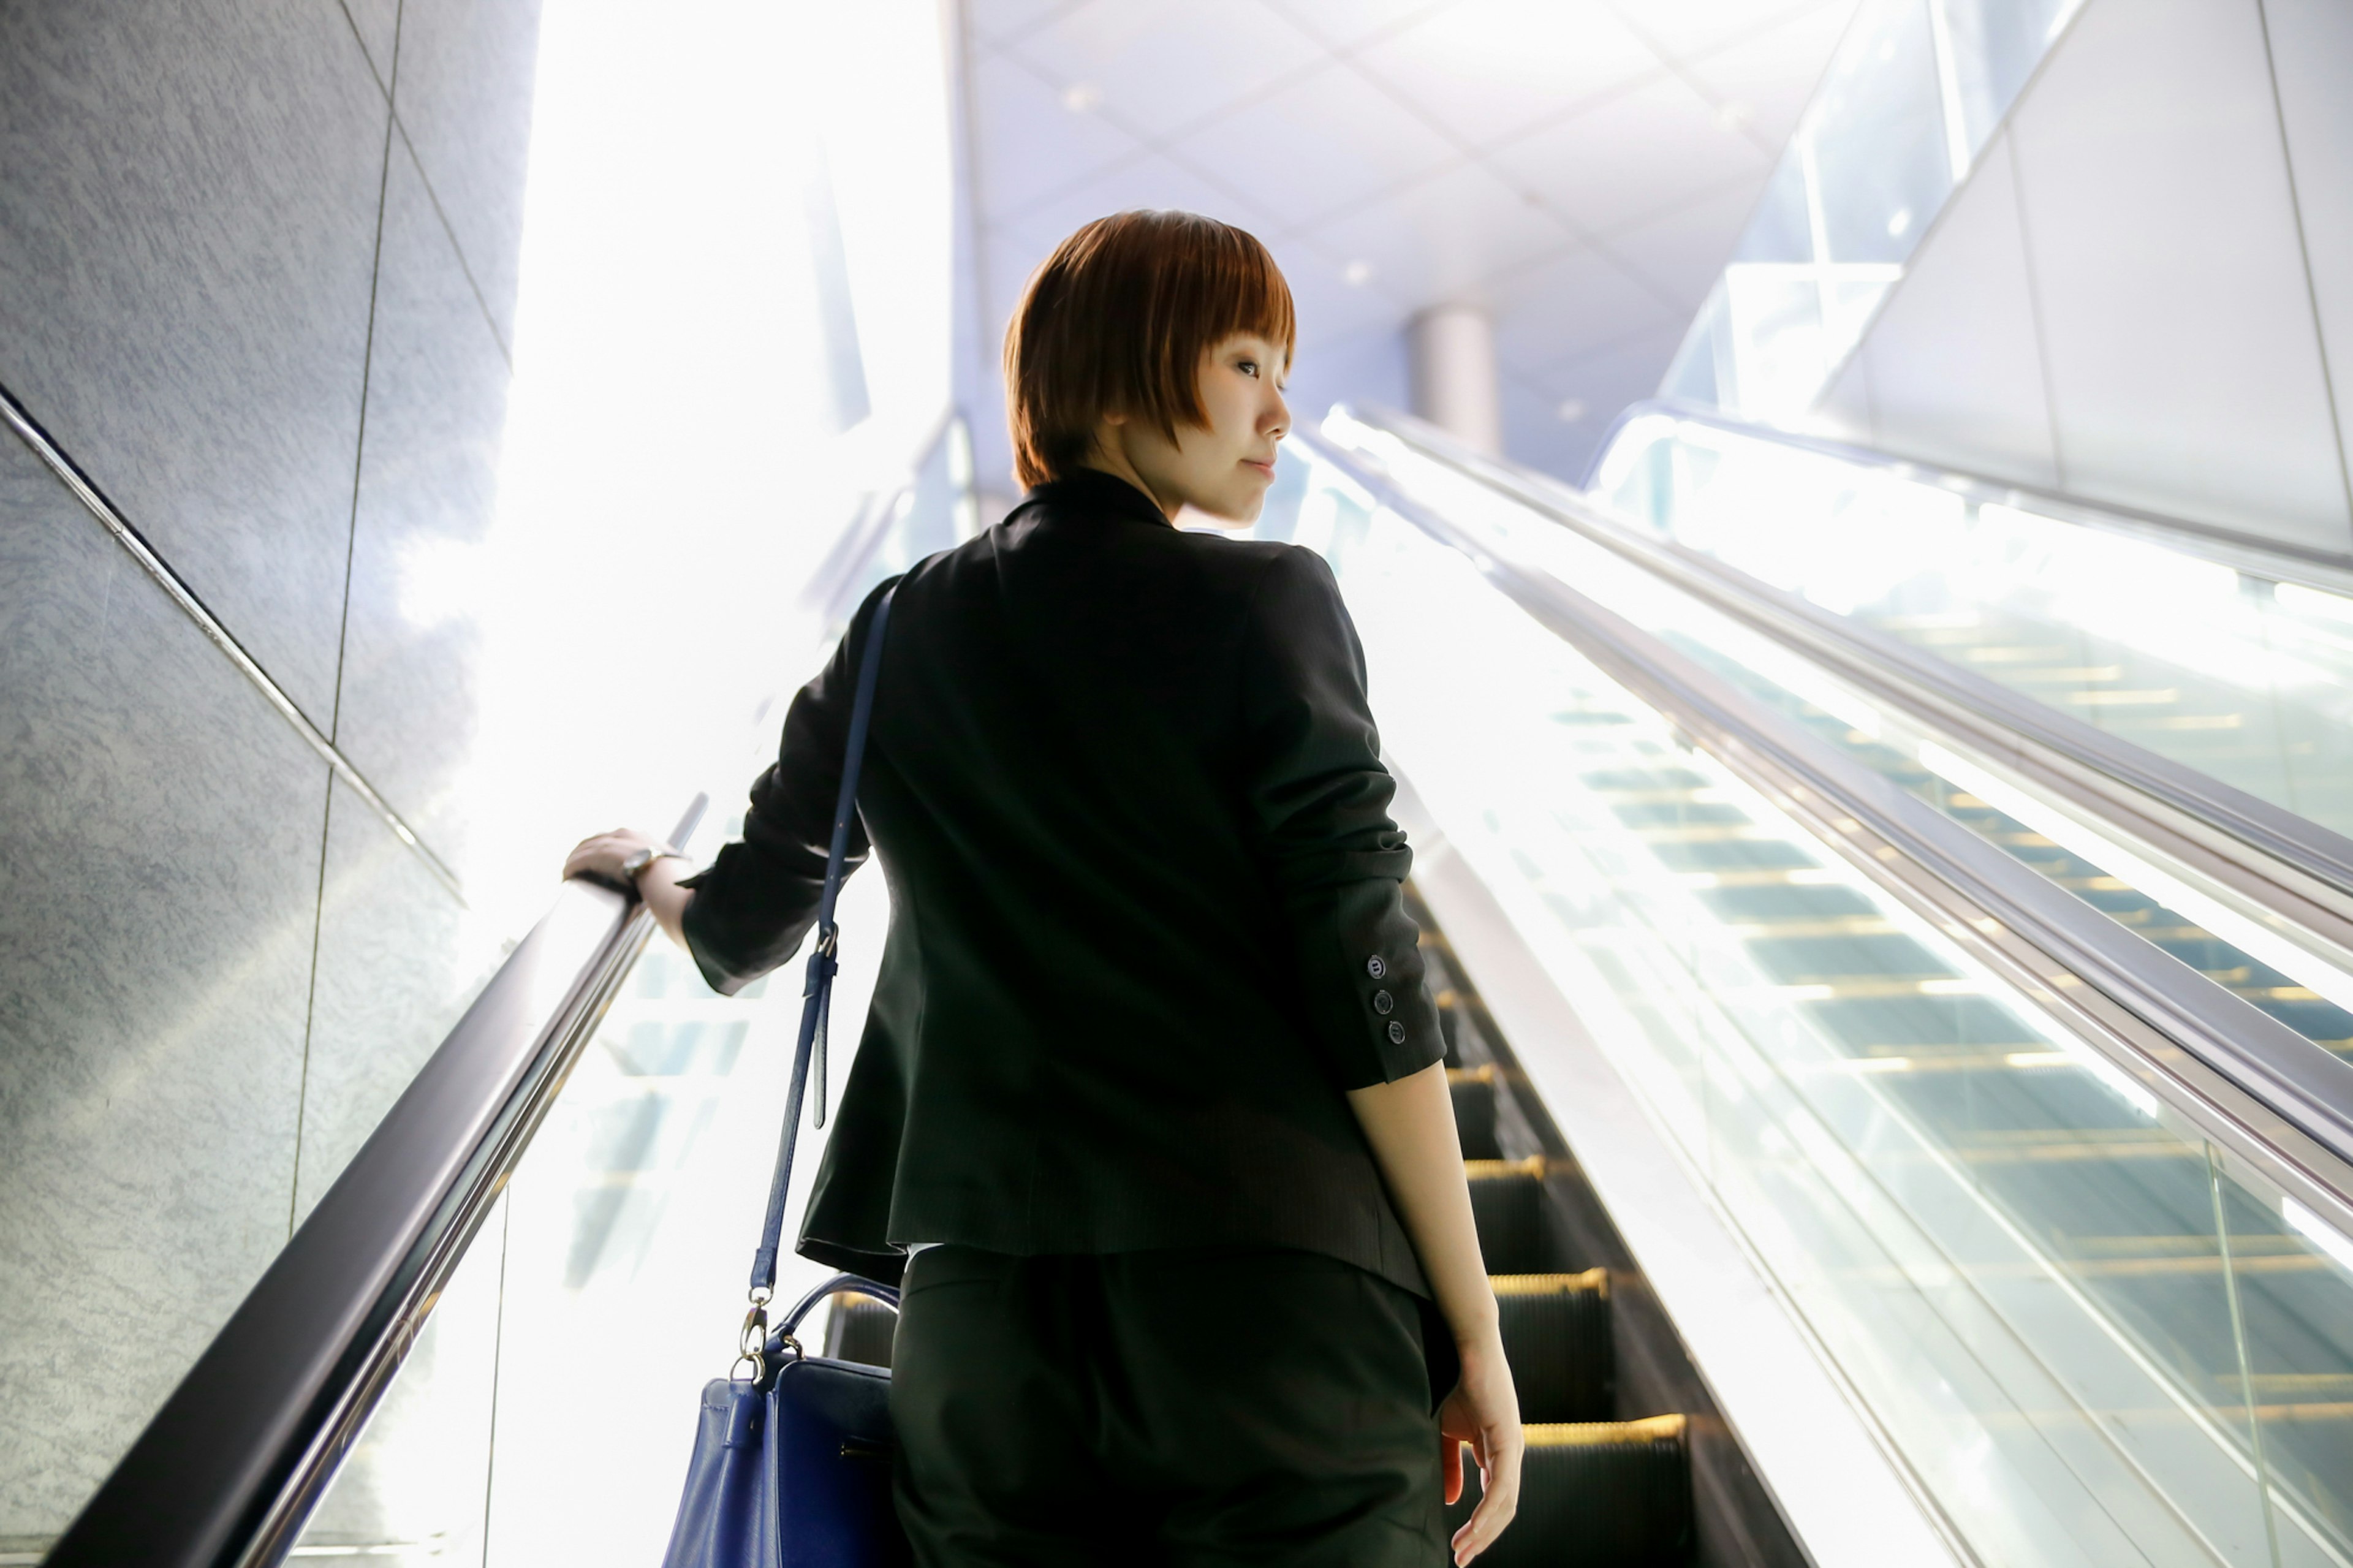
x: 2141, y: 294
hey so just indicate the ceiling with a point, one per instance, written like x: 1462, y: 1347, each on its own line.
x: 1580, y: 167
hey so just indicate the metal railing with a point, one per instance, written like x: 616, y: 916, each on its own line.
x: 2246, y: 1080
x: 225, y: 1473
x: 2296, y: 869
x: 2274, y: 560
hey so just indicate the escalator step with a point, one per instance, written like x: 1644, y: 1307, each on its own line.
x: 1507, y: 1200
x: 1449, y: 1023
x: 1610, y: 1494
x: 1556, y: 1337
x: 1474, y: 1091
x: 861, y: 1328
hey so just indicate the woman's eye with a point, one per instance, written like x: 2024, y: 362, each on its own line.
x: 1247, y: 366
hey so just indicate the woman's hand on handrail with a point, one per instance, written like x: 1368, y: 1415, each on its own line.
x: 604, y: 855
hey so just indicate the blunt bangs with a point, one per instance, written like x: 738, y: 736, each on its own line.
x: 1116, y: 320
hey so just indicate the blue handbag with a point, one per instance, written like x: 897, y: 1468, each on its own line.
x: 791, y: 1463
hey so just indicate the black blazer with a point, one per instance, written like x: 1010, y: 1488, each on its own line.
x: 1145, y: 925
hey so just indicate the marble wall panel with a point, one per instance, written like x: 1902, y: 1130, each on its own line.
x: 158, y: 894
x: 377, y: 22
x: 187, y: 235
x: 2176, y: 312
x: 428, y: 484
x: 398, y: 960
x: 1955, y: 363
x: 2312, y: 57
x: 464, y: 97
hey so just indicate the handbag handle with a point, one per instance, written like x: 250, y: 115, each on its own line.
x: 817, y: 992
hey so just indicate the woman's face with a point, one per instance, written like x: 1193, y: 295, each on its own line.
x: 1223, y: 468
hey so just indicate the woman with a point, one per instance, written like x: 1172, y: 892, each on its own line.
x: 1149, y: 1107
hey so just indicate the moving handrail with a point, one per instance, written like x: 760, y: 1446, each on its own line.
x: 2330, y: 570
x: 2249, y: 1082
x: 227, y: 1472
x: 2293, y: 867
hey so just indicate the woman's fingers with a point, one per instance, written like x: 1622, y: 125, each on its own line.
x: 602, y: 854
x: 1450, y: 1466
x: 1499, y: 1492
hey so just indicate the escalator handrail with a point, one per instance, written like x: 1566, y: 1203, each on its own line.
x: 2302, y: 871
x: 2276, y: 561
x: 226, y: 1471
x: 2248, y: 1080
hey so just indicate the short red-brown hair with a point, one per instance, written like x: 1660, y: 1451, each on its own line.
x: 1115, y: 322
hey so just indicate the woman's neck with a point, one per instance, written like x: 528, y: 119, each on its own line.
x: 1105, y: 459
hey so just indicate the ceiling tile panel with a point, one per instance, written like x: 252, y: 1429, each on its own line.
x: 1324, y: 142
x: 1772, y: 74
x: 1345, y: 24
x: 1569, y: 306
x: 1146, y: 180
x: 1028, y: 144
x: 1330, y: 306
x: 1161, y: 65
x: 1680, y: 253
x: 1441, y: 237
x: 1489, y: 68
x: 995, y: 22
x: 1631, y: 157
x: 1369, y: 367
x: 1686, y: 27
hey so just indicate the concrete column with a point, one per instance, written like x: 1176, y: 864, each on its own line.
x: 1451, y: 351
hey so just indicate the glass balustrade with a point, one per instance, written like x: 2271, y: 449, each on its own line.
x: 2090, y: 1332
x: 2241, y: 677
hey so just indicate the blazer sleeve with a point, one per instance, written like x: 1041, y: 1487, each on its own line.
x: 755, y: 901
x: 1319, y: 798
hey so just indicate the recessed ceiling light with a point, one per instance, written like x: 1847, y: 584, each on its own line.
x: 1899, y: 223
x: 1732, y: 116
x: 1357, y: 273
x: 1080, y: 97
x: 1571, y: 411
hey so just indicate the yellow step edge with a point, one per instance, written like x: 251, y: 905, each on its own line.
x: 1497, y: 1169
x: 1603, y: 1434
x: 1594, y: 1279
x: 1483, y: 1074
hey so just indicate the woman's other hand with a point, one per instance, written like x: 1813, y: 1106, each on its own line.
x: 602, y: 856
x: 1484, y: 1412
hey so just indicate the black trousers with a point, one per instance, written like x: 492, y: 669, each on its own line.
x: 1189, y: 1408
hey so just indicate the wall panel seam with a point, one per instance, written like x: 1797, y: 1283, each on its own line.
x: 2304, y: 254
x: 311, y: 1009
x: 367, y: 366
x: 95, y: 503
x: 481, y: 300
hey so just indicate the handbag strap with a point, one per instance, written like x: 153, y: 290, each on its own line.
x: 817, y: 992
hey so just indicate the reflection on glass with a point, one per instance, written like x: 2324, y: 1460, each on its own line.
x: 2017, y: 1255
x: 1912, y: 94
x: 2242, y: 678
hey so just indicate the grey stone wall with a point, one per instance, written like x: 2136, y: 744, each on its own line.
x: 258, y: 272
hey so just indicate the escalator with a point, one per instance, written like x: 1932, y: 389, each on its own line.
x: 2053, y: 1024
x: 1908, y: 1110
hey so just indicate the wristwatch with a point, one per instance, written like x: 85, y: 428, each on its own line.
x: 636, y: 861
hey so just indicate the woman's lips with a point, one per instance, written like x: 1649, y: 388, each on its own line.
x: 1266, y: 468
